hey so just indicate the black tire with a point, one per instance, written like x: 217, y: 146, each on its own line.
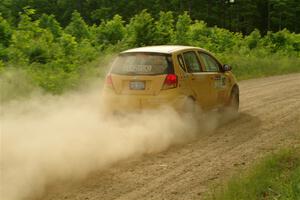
x: 234, y: 101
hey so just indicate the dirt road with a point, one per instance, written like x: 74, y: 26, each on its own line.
x: 269, y: 119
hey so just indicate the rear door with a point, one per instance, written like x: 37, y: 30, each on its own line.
x: 218, y: 80
x: 199, y: 82
x: 140, y: 73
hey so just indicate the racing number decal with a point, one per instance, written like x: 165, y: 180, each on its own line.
x: 220, y: 82
x: 223, y: 80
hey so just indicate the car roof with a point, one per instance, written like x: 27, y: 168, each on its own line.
x: 161, y: 49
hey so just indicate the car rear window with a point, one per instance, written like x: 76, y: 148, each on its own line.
x: 142, y: 64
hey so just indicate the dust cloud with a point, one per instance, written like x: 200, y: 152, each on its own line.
x: 49, y: 138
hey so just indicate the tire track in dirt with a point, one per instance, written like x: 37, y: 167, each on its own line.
x: 269, y: 120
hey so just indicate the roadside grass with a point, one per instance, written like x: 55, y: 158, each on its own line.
x: 275, y: 177
x: 252, y: 66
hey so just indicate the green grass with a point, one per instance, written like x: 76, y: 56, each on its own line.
x: 275, y: 177
x: 247, y: 67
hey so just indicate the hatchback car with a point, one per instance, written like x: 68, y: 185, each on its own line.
x: 177, y: 76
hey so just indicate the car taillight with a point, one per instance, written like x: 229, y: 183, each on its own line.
x: 171, y: 81
x: 109, y: 82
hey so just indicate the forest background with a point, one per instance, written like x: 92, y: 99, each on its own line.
x: 56, y: 45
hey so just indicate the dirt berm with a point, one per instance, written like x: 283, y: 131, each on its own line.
x: 269, y: 120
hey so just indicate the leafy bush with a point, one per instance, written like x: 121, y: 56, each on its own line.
x: 252, y: 40
x: 282, y: 41
x: 181, y: 35
x: 110, y: 32
x: 5, y: 32
x: 77, y: 27
x: 164, y: 28
x: 49, y: 22
x: 141, y: 30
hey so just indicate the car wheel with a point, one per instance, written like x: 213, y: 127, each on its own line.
x: 234, y: 101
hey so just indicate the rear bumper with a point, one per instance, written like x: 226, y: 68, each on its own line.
x: 113, y: 102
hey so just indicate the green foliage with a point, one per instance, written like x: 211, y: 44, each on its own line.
x: 164, y: 28
x: 56, y: 59
x: 49, y: 22
x: 53, y: 78
x: 183, y: 24
x: 30, y: 42
x: 140, y: 30
x: 223, y: 40
x: 1, y: 67
x: 5, y: 32
x: 3, y: 53
x: 276, y: 177
x: 85, y: 52
x: 68, y: 43
x: 253, y: 39
x: 77, y: 27
x: 239, y: 15
x: 199, y: 34
x: 110, y: 32
x: 282, y: 41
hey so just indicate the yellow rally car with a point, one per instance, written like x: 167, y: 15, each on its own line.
x: 178, y: 76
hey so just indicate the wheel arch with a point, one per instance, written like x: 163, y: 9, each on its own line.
x: 191, y: 97
x: 235, y: 88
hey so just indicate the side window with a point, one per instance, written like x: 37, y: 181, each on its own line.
x: 181, y: 63
x: 192, y: 62
x: 211, y: 65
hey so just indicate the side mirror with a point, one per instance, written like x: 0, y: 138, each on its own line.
x: 226, y: 68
